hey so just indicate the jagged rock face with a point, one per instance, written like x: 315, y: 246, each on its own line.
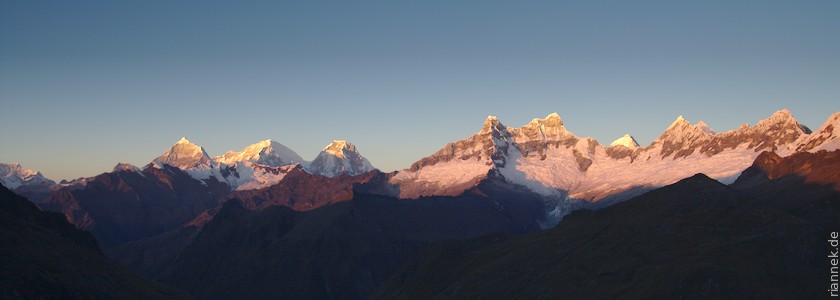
x: 774, y: 133
x: 681, y: 139
x: 185, y: 155
x: 481, y: 147
x: 340, y: 157
x: 459, y: 165
x: 536, y: 137
x: 267, y: 152
x: 778, y: 132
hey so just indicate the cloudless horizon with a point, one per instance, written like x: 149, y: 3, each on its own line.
x: 85, y: 85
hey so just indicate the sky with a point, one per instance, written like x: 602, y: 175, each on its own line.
x: 87, y: 84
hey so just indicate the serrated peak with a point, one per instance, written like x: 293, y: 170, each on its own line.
x: 492, y: 124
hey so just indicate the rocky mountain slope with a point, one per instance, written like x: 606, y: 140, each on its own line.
x: 44, y: 257
x: 128, y: 205
x: 342, y: 250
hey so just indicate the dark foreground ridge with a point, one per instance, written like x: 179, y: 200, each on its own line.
x: 695, y: 239
x: 340, y: 251
x: 44, y: 257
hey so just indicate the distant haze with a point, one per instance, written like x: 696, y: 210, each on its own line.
x: 84, y: 85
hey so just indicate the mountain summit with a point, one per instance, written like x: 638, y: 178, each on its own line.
x: 14, y: 175
x: 339, y: 157
x: 185, y: 155
x: 627, y: 141
x: 267, y: 152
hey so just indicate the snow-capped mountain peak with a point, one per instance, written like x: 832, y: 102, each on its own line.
x: 337, y: 148
x: 627, y: 141
x: 781, y: 118
x: 267, y: 152
x: 679, y: 122
x: 339, y: 157
x: 185, y: 155
x: 682, y: 128
x: 14, y: 175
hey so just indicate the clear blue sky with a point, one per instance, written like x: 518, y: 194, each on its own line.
x: 86, y: 84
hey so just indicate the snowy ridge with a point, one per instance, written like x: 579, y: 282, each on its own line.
x: 260, y: 165
x: 267, y: 152
x: 543, y: 156
x: 250, y: 168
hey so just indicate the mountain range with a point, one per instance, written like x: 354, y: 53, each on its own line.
x: 316, y: 224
